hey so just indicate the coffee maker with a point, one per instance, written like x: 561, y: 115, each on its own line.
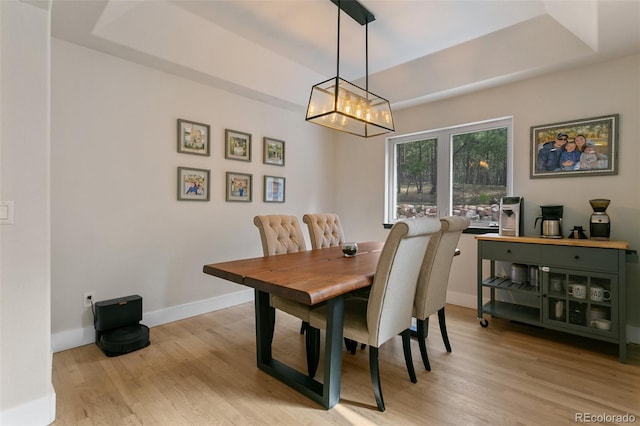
x: 599, y: 225
x: 551, y: 226
x: 511, y: 217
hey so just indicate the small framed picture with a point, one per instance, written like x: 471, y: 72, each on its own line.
x: 273, y: 152
x: 193, y: 184
x: 193, y: 138
x: 237, y: 146
x: 239, y: 186
x: 274, y: 189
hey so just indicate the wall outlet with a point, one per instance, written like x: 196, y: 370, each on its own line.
x: 89, y: 297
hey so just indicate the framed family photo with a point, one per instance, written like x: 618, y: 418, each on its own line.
x: 237, y: 145
x: 274, y: 189
x: 581, y: 147
x: 239, y: 186
x: 273, y: 151
x: 193, y: 138
x: 193, y: 184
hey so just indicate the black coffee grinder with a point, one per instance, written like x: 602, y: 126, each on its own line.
x: 599, y: 225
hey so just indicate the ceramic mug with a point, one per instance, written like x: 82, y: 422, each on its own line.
x: 602, y: 324
x: 579, y: 291
x: 599, y: 294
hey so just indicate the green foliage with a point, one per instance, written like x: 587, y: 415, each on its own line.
x: 481, y: 198
x: 479, y: 171
x: 416, y: 164
x: 480, y: 157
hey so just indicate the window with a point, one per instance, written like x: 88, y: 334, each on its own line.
x: 462, y: 170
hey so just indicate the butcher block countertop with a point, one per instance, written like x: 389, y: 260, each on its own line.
x: 610, y: 244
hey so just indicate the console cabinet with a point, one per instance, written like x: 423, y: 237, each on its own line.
x: 574, y: 286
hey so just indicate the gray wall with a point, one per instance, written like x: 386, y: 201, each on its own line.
x: 118, y: 228
x: 26, y: 393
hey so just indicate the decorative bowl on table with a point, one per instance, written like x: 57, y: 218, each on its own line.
x: 349, y: 249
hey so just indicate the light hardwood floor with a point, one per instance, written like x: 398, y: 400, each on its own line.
x: 201, y: 371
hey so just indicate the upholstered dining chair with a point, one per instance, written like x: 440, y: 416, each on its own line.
x: 282, y: 234
x: 325, y: 229
x: 387, y: 311
x: 431, y: 291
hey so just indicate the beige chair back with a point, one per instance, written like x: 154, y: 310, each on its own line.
x: 280, y: 234
x: 391, y: 299
x: 431, y: 292
x: 325, y: 229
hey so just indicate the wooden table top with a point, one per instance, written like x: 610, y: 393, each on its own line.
x: 614, y: 244
x: 308, y: 277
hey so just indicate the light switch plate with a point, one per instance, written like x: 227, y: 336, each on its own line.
x: 6, y: 212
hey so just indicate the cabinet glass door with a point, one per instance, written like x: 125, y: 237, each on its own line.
x: 581, y: 301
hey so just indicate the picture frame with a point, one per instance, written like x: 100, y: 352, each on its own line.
x: 273, y: 151
x: 591, y: 148
x: 239, y: 186
x: 237, y: 145
x: 193, y: 137
x: 274, y: 189
x: 193, y: 184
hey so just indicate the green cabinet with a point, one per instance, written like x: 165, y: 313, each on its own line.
x: 574, y: 286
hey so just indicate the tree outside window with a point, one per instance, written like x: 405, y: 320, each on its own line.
x: 461, y: 171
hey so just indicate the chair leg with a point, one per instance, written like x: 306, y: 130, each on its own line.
x: 421, y: 326
x: 303, y: 327
x: 312, y: 346
x: 351, y: 345
x: 408, y: 359
x: 443, y: 329
x: 375, y: 377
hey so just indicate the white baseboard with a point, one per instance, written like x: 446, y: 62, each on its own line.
x: 84, y: 336
x: 41, y: 411
x: 462, y: 299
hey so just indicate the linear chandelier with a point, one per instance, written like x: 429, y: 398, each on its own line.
x: 341, y: 105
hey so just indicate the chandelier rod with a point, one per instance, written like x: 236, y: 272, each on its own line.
x: 338, y: 49
x: 366, y: 58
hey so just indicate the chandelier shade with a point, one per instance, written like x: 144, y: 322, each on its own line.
x: 341, y: 105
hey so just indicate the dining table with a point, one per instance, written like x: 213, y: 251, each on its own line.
x: 310, y: 277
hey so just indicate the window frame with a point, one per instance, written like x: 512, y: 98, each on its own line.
x: 444, y: 137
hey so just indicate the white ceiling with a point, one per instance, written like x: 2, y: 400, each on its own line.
x: 419, y: 50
